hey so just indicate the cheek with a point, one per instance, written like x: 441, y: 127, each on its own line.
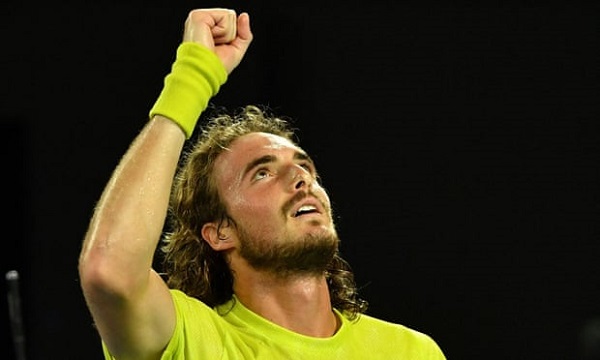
x: 256, y: 215
x: 321, y: 193
x: 259, y: 224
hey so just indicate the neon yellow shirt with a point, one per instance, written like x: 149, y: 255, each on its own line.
x: 204, y: 333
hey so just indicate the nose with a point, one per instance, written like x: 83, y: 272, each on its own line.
x: 300, y: 177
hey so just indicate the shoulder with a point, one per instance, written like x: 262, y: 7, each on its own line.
x: 197, y: 324
x: 364, y: 320
x: 394, y: 334
x: 181, y: 298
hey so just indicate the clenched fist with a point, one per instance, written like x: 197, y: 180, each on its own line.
x: 222, y: 31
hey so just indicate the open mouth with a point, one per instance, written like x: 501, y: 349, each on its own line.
x: 306, y: 209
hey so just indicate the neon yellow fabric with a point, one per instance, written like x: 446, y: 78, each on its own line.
x: 203, y: 333
x: 196, y: 76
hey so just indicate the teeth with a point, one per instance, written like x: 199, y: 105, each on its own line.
x: 307, y: 208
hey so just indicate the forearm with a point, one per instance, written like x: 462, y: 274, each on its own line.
x: 128, y: 220
x: 131, y: 305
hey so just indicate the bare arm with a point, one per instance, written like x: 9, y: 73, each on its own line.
x: 129, y: 302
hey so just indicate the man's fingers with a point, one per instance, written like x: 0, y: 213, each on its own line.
x: 225, y: 28
x: 221, y: 31
x: 211, y: 26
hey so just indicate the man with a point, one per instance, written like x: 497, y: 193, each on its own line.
x: 253, y: 268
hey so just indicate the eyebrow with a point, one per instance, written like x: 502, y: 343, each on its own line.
x: 298, y: 155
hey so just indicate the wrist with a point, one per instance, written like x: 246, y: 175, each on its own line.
x: 195, y: 77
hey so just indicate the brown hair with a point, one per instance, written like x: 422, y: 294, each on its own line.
x: 190, y: 264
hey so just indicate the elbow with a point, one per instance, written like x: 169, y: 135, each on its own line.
x: 95, y: 276
x: 109, y: 267
x: 99, y: 269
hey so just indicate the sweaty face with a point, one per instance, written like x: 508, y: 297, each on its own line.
x: 282, y: 215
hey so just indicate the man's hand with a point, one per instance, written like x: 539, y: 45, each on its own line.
x: 222, y: 31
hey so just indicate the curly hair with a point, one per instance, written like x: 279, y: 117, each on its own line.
x: 190, y: 264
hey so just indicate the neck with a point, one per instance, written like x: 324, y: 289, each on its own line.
x: 297, y: 303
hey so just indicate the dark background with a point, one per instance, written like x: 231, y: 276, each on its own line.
x: 460, y: 146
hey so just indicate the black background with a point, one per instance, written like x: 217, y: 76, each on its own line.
x: 459, y: 145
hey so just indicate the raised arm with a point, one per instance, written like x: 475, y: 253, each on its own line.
x: 130, y: 304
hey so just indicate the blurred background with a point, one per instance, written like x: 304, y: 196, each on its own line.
x: 459, y: 144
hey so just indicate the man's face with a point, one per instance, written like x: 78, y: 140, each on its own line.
x: 283, y: 215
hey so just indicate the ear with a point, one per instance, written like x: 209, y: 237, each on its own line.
x: 218, y: 238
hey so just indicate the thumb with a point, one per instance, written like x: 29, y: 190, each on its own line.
x: 231, y: 54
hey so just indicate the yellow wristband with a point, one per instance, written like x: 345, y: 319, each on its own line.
x: 196, y: 76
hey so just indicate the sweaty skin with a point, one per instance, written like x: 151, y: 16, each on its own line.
x: 260, y: 178
x: 130, y: 303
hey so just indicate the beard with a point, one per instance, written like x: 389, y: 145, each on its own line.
x: 310, y: 254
